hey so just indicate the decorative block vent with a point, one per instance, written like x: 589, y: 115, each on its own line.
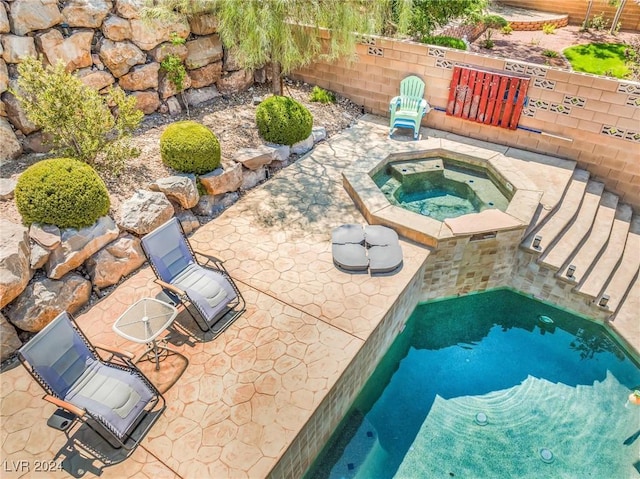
x: 633, y: 100
x: 366, y: 40
x: 574, y: 101
x: 375, y: 51
x: 544, y: 84
x: 487, y: 97
x: 628, y: 135
x: 436, y: 52
x: 630, y: 88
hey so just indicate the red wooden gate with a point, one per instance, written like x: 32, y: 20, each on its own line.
x: 486, y: 97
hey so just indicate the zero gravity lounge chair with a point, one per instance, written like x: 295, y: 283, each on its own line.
x: 113, y: 397
x: 207, y: 287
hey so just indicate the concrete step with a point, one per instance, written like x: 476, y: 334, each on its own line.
x: 616, y: 289
x: 595, y: 280
x: 557, y: 253
x: 584, y: 256
x: 559, y: 219
x: 626, y: 319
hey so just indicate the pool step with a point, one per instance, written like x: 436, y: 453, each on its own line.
x: 565, y: 244
x: 626, y: 319
x: 547, y: 233
x: 584, y: 257
x: 606, y: 263
x: 627, y: 270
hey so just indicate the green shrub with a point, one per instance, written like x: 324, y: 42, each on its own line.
x: 64, y: 192
x: 550, y: 53
x: 190, y: 147
x: 283, y: 120
x: 445, y: 41
x: 321, y: 96
x: 548, y: 29
x: 507, y: 29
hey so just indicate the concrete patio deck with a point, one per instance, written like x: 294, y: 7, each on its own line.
x: 244, y: 396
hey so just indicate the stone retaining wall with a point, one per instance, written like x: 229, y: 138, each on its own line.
x: 594, y: 120
x: 535, y: 26
x: 106, y: 43
x: 577, y: 9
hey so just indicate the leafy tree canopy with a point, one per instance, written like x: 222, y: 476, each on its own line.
x: 77, y: 118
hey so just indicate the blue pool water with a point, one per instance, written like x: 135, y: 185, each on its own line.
x: 485, y: 386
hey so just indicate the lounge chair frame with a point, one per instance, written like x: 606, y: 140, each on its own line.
x: 122, y: 360
x: 181, y: 297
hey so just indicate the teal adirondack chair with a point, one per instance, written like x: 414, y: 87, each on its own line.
x: 408, y: 108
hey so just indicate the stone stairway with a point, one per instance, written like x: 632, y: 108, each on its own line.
x: 592, y: 241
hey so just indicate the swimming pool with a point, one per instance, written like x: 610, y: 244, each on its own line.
x: 486, y: 386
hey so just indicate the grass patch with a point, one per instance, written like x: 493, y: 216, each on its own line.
x: 599, y: 58
x: 445, y: 41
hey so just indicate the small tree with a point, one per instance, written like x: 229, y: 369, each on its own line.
x: 76, y: 117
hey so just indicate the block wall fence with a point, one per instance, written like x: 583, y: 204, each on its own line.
x: 595, y: 120
x: 577, y: 9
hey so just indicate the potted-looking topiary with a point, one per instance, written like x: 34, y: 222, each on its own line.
x: 63, y: 192
x: 283, y: 120
x: 189, y: 147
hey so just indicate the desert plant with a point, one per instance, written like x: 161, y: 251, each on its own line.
x: 77, y: 118
x: 283, y: 120
x: 550, y: 53
x: 61, y: 191
x: 321, y: 96
x: 548, y: 29
x: 507, y: 29
x: 599, y: 22
x: 175, y: 70
x: 535, y: 41
x: 189, y: 147
x: 445, y: 41
x: 491, y: 22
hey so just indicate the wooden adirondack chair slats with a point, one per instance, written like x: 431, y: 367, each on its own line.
x: 486, y: 97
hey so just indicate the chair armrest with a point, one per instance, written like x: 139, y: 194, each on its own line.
x: 395, y: 102
x: 170, y: 287
x: 425, y: 107
x: 64, y: 405
x: 209, y: 257
x: 115, y: 352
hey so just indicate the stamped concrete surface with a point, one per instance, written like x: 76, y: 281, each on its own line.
x: 236, y: 402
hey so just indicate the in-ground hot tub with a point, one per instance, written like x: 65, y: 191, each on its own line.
x: 437, y: 190
x: 441, y: 188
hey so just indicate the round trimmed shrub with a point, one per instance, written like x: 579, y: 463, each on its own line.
x: 283, y: 120
x: 63, y: 192
x: 189, y: 147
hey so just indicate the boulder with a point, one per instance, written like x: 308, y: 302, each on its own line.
x: 180, y: 188
x: 147, y: 101
x: 97, y: 63
x: 11, y: 147
x: 16, y: 114
x: 198, y: 96
x: 205, y: 76
x: 15, y: 48
x: 96, y: 79
x: 203, y: 24
x: 119, y: 57
x: 129, y: 8
x: 213, y: 205
x: 37, y: 142
x: 7, y: 188
x: 163, y: 50
x: 144, y: 211
x: 116, y: 28
x: 118, y: 259
x: 80, y: 13
x: 188, y: 221
x: 202, y: 51
x: 254, y: 158
x: 230, y: 62
x: 149, y: 33
x: 30, y: 15
x: 221, y: 181
x: 9, y: 341
x: 319, y: 133
x: 303, y: 146
x: 3, y: 110
x: 45, y: 298
x: 251, y: 178
x: 15, y: 272
x: 234, y: 82
x: 47, y: 236
x: 4, y: 76
x: 76, y: 245
x: 173, y: 106
x: 167, y: 89
x: 142, y: 77
x: 4, y: 20
x: 74, y: 51
x: 39, y: 256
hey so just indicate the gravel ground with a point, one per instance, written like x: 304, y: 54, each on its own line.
x: 231, y: 118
